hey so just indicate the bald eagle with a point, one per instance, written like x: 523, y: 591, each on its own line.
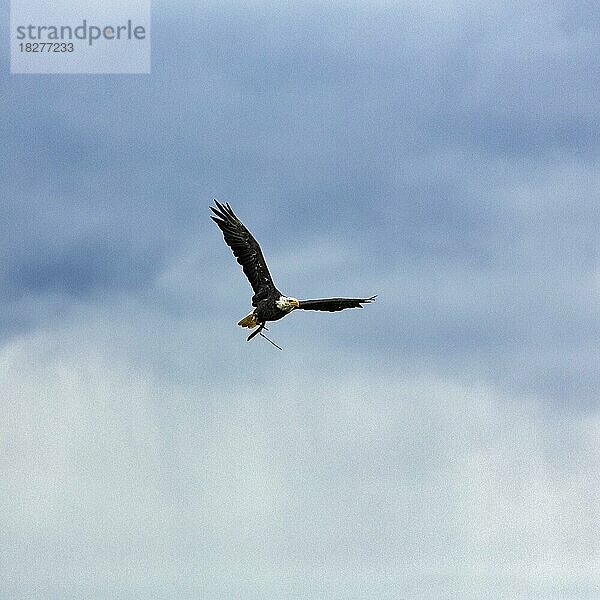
x: 269, y: 303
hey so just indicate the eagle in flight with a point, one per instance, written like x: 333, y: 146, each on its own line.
x: 269, y: 303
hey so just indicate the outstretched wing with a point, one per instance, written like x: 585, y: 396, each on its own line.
x: 334, y: 304
x: 246, y: 250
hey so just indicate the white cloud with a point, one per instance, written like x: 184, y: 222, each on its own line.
x: 307, y: 475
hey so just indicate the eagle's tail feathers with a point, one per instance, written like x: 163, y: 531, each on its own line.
x: 249, y: 321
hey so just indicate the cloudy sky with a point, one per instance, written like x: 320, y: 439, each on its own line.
x: 441, y: 443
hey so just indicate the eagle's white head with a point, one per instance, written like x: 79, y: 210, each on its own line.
x: 286, y: 303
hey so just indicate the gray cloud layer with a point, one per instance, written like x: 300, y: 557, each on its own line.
x: 442, y: 442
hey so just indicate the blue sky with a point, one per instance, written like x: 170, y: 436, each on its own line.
x: 442, y: 442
